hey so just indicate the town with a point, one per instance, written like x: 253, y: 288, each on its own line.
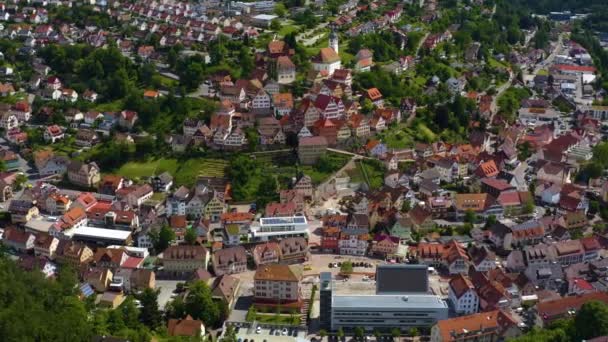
x: 324, y: 170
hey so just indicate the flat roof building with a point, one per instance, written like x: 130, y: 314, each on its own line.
x: 102, y: 237
x: 279, y: 227
x: 401, y: 300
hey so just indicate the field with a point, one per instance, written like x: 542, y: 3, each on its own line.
x: 184, y: 172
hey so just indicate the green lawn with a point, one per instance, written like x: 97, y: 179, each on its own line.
x: 397, y: 137
x: 114, y: 106
x: 184, y: 173
x: 278, y: 319
x: 497, y: 64
x: 167, y: 82
x: 287, y: 29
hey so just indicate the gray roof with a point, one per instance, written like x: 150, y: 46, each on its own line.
x: 396, y: 302
x: 394, y: 279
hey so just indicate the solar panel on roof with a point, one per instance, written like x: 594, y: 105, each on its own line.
x: 86, y: 290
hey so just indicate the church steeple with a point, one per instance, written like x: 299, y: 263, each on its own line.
x: 333, y: 39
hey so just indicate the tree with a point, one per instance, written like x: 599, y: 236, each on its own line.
x: 406, y: 206
x: 591, y: 321
x: 414, y: 332
x: 190, y: 236
x: 396, y: 333
x: 149, y: 313
x: 251, y: 314
x: 161, y: 239
x: 280, y: 9
x: 470, y: 216
x: 322, y: 334
x: 275, y: 25
x: 229, y: 335
x: 359, y: 333
x: 340, y: 333
x: 200, y: 304
x: 346, y: 267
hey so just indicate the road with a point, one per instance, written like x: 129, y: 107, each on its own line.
x: 537, y: 68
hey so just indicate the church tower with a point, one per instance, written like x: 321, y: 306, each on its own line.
x: 333, y: 40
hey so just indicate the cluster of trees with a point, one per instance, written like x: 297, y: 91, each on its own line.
x: 82, y: 67
x: 453, y: 116
x: 596, y: 166
x: 199, y: 304
x: 250, y: 181
x: 384, y: 45
x: 546, y: 6
x: 510, y: 101
x: 590, y: 321
x: 600, y: 56
x: 81, y: 16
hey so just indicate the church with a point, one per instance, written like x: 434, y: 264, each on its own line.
x: 328, y: 60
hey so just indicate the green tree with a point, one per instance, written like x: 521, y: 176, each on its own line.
x: 322, y: 334
x: 280, y: 9
x: 190, y: 236
x: 359, y: 333
x: 200, y: 304
x: 470, y: 216
x: 396, y: 333
x: 275, y: 25
x: 414, y: 332
x: 149, y: 313
x: 162, y: 238
x: 340, y: 333
x: 591, y: 321
x: 346, y: 267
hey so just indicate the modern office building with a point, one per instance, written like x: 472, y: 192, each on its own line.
x: 279, y: 227
x: 401, y: 300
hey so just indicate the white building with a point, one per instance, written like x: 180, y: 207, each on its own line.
x: 279, y: 227
x: 462, y: 296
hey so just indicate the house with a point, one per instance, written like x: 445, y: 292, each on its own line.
x: 73, y: 253
x: 6, y: 89
x: 86, y: 138
x: 90, y: 96
x: 127, y: 119
x: 374, y: 95
x: 73, y: 219
x: 286, y: 70
x: 184, y: 260
x: 552, y: 310
x: 266, y: 253
x: 481, y: 204
x: 327, y: 60
x: 69, y: 95
x: 45, y: 245
x: 53, y: 133
x: 496, y: 325
x: 18, y: 240
x: 364, y: 60
x: 278, y: 285
x: 22, y: 210
x: 230, y: 261
x: 162, y: 182
x: 385, y: 245
x: 311, y: 149
x: 109, y: 184
x: 293, y: 250
x: 551, y: 172
x: 462, y: 295
x: 185, y: 327
x: 9, y: 121
x: 84, y: 175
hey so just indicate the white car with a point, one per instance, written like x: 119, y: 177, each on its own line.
x: 284, y: 332
x: 258, y: 330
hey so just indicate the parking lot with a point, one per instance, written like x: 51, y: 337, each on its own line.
x: 166, y: 294
x: 254, y: 332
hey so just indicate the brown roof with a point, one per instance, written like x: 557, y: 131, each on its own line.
x: 327, y: 55
x: 229, y: 255
x: 279, y: 272
x: 475, y: 202
x: 481, y: 323
x: 460, y: 285
x: 184, y: 327
x: 225, y: 287
x: 556, y: 308
x: 184, y: 252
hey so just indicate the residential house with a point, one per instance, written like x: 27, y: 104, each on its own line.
x: 85, y: 175
x: 183, y: 259
x: 278, y: 285
x: 230, y: 261
x: 265, y: 253
x: 462, y: 295
x: 496, y: 325
x: 18, y: 239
